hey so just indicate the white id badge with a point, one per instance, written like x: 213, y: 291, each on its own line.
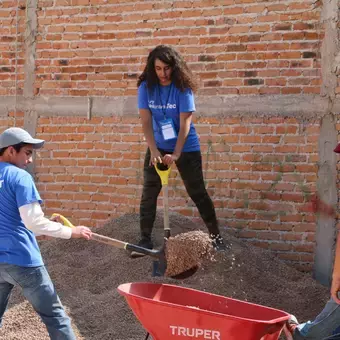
x: 168, y: 129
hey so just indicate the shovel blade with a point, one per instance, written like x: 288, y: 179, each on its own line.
x: 158, y: 268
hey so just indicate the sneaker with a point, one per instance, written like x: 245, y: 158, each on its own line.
x: 144, y: 243
x: 219, y: 244
x: 290, y: 326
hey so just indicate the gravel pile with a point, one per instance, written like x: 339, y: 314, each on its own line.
x: 87, y: 273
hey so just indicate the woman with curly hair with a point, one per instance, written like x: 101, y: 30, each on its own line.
x: 166, y: 104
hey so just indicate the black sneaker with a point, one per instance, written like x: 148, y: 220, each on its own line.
x: 144, y: 243
x: 219, y: 244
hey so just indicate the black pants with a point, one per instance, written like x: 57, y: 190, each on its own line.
x: 189, y: 166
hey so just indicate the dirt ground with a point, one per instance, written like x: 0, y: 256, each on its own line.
x: 87, y: 274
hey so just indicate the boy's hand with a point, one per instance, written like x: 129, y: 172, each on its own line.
x: 56, y: 218
x: 81, y: 232
x: 78, y: 231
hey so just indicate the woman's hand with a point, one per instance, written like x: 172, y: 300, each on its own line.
x: 168, y: 159
x: 155, y: 157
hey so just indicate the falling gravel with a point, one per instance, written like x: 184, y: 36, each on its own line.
x: 86, y: 275
x: 187, y: 250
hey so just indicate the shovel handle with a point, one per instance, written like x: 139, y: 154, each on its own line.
x: 111, y: 241
x: 166, y: 211
x: 94, y: 236
x: 108, y: 240
x: 164, y: 172
x: 124, y: 245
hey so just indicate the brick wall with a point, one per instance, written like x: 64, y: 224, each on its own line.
x: 11, y: 46
x: 259, y: 168
x: 258, y: 171
x: 98, y: 47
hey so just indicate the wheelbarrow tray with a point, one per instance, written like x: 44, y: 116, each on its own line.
x: 170, y: 312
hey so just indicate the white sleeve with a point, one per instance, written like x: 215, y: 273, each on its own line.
x: 34, y: 220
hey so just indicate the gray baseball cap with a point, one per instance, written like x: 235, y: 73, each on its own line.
x: 14, y: 135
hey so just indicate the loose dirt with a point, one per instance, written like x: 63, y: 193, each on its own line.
x: 86, y: 275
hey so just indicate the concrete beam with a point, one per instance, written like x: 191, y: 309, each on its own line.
x: 299, y: 106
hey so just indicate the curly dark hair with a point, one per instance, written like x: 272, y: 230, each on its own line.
x: 181, y: 75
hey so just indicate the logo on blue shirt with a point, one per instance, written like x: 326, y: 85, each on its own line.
x: 152, y: 105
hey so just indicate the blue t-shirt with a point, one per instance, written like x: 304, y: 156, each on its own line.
x: 166, y: 102
x: 18, y: 244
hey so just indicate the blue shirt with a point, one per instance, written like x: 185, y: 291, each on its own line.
x: 166, y: 102
x: 18, y: 244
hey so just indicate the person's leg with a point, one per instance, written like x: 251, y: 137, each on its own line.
x: 5, y: 293
x: 324, y: 325
x: 38, y: 289
x: 190, y: 168
x: 333, y: 337
x: 148, y: 205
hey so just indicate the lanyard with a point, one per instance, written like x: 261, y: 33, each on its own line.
x: 160, y: 99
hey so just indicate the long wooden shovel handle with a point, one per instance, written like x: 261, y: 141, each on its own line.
x: 108, y: 240
x: 113, y: 242
x: 95, y: 237
x: 166, y: 211
x: 127, y: 246
x: 163, y: 172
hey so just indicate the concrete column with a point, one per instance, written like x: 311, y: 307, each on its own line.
x: 327, y: 190
x: 326, y: 183
x: 31, y: 116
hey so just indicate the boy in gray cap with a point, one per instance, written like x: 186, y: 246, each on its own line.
x: 21, y: 221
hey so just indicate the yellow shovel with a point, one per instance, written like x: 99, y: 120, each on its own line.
x: 164, y: 172
x: 159, y: 254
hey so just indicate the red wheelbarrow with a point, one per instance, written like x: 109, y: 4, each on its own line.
x: 170, y: 312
